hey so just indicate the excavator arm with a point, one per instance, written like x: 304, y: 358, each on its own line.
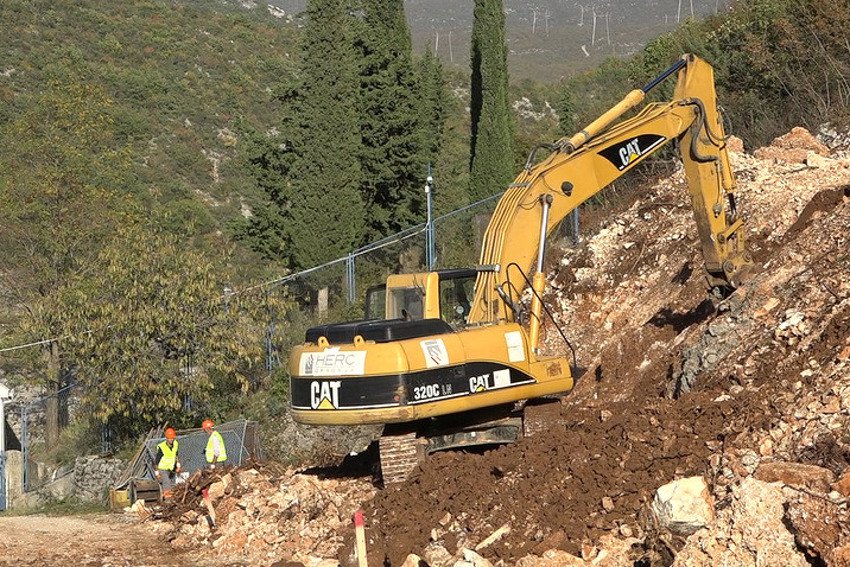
x: 581, y: 166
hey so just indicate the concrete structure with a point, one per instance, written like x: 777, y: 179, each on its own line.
x: 14, y: 478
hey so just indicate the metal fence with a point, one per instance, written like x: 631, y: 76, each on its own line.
x: 454, y: 240
x: 2, y: 478
x: 35, y: 412
x: 241, y: 442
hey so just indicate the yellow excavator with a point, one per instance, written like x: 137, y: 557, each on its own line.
x: 451, y: 358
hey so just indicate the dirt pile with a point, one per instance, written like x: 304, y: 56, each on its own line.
x: 677, y: 385
x: 263, y: 515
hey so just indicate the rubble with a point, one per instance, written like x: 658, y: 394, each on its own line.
x: 750, y: 532
x: 263, y: 514
x: 741, y: 404
x: 795, y: 146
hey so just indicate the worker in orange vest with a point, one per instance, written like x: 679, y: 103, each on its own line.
x: 215, y: 452
x: 167, y: 462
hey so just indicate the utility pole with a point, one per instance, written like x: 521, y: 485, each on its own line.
x: 547, y: 22
x: 607, y: 30
x: 581, y: 22
x: 679, y: 12
x: 437, y: 43
x: 533, y: 21
x: 430, y: 248
x: 451, y: 55
x: 593, y: 34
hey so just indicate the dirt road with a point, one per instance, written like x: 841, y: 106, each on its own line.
x: 96, y: 540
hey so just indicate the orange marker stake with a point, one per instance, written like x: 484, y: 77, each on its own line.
x: 360, y: 534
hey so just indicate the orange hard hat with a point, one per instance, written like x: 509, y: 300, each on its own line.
x: 170, y: 433
x: 208, y: 423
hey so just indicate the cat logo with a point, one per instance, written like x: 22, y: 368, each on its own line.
x: 479, y: 383
x: 498, y: 379
x: 324, y: 395
x: 626, y: 153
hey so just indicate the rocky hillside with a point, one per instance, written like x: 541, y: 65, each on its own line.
x: 742, y: 404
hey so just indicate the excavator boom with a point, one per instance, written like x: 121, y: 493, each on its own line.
x: 586, y: 163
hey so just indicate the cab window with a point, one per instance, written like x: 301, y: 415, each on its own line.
x: 406, y: 303
x: 376, y: 302
x: 456, y: 299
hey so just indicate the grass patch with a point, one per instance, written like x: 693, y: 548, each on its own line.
x: 69, y: 507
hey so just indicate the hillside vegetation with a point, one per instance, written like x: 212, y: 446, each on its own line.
x: 778, y: 63
x: 180, y: 83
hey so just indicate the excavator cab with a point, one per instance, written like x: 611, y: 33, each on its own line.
x: 444, y: 294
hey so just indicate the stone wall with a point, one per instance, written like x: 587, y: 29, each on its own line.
x: 94, y: 475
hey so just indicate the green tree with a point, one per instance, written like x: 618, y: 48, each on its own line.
x: 60, y: 173
x: 491, y: 146
x: 325, y: 212
x: 433, y: 105
x: 392, y: 156
x: 269, y: 159
x: 566, y: 107
x: 151, y: 327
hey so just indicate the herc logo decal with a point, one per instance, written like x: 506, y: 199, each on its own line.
x: 332, y: 362
x: 626, y: 153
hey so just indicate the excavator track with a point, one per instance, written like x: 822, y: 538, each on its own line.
x: 400, y: 452
x: 541, y: 415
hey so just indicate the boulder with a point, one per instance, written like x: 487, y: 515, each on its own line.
x: 472, y: 559
x: 552, y: 541
x: 817, y: 525
x: 750, y: 532
x: 414, y: 560
x: 683, y: 506
x: 840, y: 557
x: 842, y: 485
x: 800, y: 475
x: 437, y: 556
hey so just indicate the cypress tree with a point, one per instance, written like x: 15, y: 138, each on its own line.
x: 491, y: 151
x: 442, y: 142
x: 391, y: 154
x: 432, y: 105
x: 326, y: 213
